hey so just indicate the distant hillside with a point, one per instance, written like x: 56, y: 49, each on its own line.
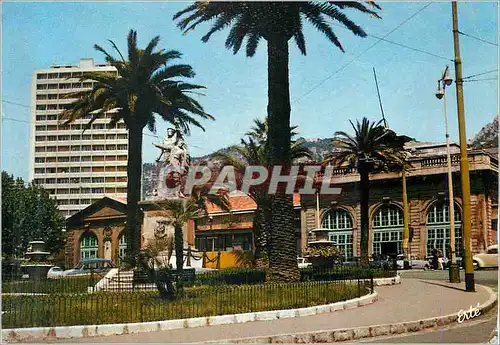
x: 319, y: 148
x: 487, y: 136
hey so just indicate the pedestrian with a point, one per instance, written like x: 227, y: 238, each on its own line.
x: 434, y: 259
x: 440, y: 261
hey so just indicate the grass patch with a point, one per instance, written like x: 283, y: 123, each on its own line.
x: 105, y: 307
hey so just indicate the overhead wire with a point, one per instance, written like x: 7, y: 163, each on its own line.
x: 358, y: 55
x: 478, y: 38
x: 400, y: 44
x: 27, y: 121
x: 478, y: 74
x: 483, y: 79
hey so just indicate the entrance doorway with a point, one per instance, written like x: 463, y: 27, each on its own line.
x: 389, y: 248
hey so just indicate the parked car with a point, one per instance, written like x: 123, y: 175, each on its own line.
x: 303, y: 263
x: 55, y: 272
x: 414, y: 262
x: 487, y: 259
x: 88, y: 266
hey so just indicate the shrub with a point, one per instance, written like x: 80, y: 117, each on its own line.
x: 324, y: 252
x: 232, y: 276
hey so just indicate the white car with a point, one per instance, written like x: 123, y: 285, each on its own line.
x: 414, y: 262
x: 487, y: 259
x: 303, y: 263
x: 55, y: 272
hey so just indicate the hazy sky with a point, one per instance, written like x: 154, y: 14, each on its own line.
x: 328, y: 87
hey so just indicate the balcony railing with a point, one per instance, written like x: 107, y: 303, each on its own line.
x: 440, y: 161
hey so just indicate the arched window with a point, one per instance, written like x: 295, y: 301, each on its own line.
x: 438, y: 229
x: 88, y: 246
x: 122, y: 245
x: 387, y: 225
x: 340, y: 222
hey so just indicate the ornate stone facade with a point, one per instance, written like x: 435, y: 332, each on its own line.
x: 96, y: 231
x: 427, y: 197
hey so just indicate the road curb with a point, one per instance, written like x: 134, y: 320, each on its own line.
x: 65, y: 332
x: 387, y: 281
x: 494, y: 337
x: 350, y: 334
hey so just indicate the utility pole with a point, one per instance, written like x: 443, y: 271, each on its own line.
x: 464, y: 163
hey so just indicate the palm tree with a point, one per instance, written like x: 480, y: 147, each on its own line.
x: 252, y: 152
x: 146, y: 84
x: 182, y: 210
x: 277, y: 23
x: 372, y: 148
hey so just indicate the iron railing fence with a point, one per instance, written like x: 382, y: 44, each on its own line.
x: 64, y: 309
x: 129, y: 281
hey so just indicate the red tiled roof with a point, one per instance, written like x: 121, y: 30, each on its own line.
x: 245, y: 203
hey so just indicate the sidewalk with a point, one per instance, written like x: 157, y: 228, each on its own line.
x: 412, y: 300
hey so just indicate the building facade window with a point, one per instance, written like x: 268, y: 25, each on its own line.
x: 122, y: 246
x: 225, y: 242
x: 438, y: 229
x: 387, y: 226
x: 341, y: 223
x: 88, y: 246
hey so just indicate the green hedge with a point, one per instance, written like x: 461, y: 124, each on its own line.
x: 344, y: 273
x: 105, y: 307
x: 61, y: 285
x: 232, y: 276
x: 239, y: 276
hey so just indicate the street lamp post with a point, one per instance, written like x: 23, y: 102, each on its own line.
x: 454, y: 272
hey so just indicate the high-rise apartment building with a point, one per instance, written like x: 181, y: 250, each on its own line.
x: 77, y: 167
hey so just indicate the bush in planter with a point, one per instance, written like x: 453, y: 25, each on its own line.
x: 324, y: 256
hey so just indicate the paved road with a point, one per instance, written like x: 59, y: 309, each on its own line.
x: 474, y: 331
x: 412, y: 300
x: 485, y: 277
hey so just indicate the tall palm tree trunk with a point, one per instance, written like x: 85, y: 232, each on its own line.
x: 365, y: 199
x: 259, y: 228
x: 134, y: 169
x: 282, y: 245
x: 179, y: 252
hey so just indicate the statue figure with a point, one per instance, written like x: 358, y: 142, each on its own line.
x: 174, y: 149
x: 175, y: 154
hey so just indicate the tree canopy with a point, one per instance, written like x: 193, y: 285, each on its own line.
x: 28, y: 214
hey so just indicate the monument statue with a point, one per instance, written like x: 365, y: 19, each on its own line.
x: 174, y: 164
